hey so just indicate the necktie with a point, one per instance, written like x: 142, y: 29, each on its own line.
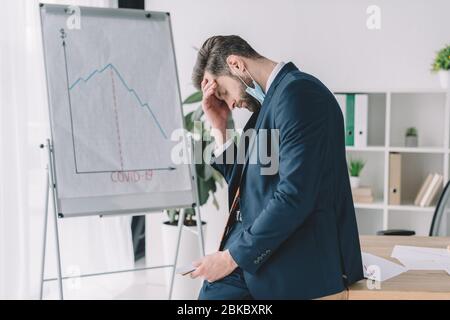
x: 235, y: 206
x: 232, y: 218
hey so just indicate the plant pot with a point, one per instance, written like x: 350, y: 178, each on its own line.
x: 185, y: 288
x: 355, y: 182
x: 411, y: 141
x: 444, y: 78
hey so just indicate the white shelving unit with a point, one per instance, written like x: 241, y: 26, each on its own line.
x: 391, y: 112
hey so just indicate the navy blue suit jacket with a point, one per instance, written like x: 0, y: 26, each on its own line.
x: 300, y: 238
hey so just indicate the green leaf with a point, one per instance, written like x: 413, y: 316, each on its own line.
x: 203, y: 192
x: 411, y: 132
x: 213, y: 184
x: 197, y: 115
x: 208, y: 172
x: 355, y: 167
x: 188, y: 121
x: 215, y: 202
x: 200, y: 171
x: 218, y: 177
x: 442, y: 60
x: 204, y: 171
x: 194, y: 98
x: 230, y: 122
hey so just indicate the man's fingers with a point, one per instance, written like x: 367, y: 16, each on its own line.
x: 208, y: 95
x: 207, y: 90
x: 210, y: 92
x: 209, y: 85
x: 195, y: 275
x: 197, y: 263
x: 204, y: 83
x: 198, y: 272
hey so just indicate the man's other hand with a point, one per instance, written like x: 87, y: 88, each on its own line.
x: 215, y: 266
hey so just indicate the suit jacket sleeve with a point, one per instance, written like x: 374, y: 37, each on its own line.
x: 301, y: 117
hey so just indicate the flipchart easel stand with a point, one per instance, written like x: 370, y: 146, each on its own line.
x: 51, y: 195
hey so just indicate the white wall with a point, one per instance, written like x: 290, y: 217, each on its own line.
x: 327, y: 38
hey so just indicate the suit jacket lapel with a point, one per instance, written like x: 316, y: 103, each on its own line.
x: 242, y: 148
x: 265, y: 106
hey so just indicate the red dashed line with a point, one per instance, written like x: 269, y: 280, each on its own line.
x: 117, y: 119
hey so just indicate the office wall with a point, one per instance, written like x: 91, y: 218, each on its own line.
x: 327, y: 38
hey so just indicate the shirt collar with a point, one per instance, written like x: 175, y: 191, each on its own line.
x: 273, y: 75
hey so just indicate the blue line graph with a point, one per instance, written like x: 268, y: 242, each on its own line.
x: 131, y: 90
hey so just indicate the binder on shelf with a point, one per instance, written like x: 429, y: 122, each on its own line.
x: 395, y: 177
x: 360, y: 122
x: 342, y: 101
x: 435, y: 190
x: 350, y: 120
x: 423, y: 189
x: 431, y: 191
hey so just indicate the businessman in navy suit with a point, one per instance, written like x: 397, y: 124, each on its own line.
x: 292, y: 233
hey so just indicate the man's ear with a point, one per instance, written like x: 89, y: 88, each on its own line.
x: 236, y: 64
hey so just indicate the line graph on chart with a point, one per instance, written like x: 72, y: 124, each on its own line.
x: 113, y: 128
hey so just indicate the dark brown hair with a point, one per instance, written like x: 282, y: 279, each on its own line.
x: 212, y: 57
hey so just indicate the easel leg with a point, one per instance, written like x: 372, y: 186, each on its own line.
x: 58, y: 259
x: 47, y: 192
x: 200, y: 232
x: 180, y: 231
x: 55, y: 211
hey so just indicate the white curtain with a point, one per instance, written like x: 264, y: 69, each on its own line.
x: 88, y: 244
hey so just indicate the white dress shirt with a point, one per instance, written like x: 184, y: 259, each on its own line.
x: 220, y: 149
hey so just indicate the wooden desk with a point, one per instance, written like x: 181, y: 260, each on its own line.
x: 408, y: 285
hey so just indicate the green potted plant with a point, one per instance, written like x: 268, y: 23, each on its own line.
x: 411, y: 139
x: 355, y: 166
x: 208, y: 180
x: 207, y: 177
x: 441, y: 65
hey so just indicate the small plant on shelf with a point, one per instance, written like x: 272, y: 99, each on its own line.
x: 355, y: 166
x: 411, y: 137
x: 411, y: 132
x: 441, y: 65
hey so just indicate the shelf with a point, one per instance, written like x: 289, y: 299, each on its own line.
x: 418, y: 150
x: 390, y: 113
x: 366, y: 149
x: 411, y: 207
x: 398, y: 149
x: 377, y: 205
x: 403, y: 207
x: 391, y: 90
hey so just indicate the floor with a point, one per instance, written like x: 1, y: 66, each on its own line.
x: 141, y: 285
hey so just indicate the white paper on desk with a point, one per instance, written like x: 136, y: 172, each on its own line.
x: 421, y: 258
x: 379, y: 269
x: 447, y: 269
